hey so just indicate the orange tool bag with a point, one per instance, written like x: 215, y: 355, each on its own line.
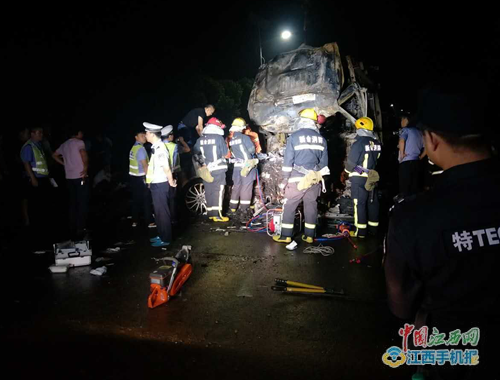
x: 167, y: 280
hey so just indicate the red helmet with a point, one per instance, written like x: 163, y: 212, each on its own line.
x: 217, y: 122
x: 321, y: 119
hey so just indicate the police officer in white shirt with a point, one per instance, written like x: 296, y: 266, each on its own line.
x: 159, y: 178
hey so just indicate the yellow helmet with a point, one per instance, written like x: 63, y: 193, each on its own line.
x: 364, y: 123
x: 309, y: 113
x: 239, y: 122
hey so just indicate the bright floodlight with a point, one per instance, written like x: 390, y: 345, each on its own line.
x: 286, y: 35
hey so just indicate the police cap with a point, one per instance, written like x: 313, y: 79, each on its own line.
x: 167, y: 130
x: 152, y: 127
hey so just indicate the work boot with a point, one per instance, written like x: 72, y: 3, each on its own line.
x: 283, y: 239
x: 220, y: 219
x: 307, y: 239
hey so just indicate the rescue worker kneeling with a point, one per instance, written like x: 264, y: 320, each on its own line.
x: 242, y: 151
x: 209, y: 151
x: 360, y: 165
x: 304, y: 165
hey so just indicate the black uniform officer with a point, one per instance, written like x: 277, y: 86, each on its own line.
x: 212, y: 146
x: 306, y: 154
x: 443, y: 246
x: 243, y: 151
x: 362, y: 158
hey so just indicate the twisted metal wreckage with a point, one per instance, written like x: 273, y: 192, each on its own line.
x: 310, y: 78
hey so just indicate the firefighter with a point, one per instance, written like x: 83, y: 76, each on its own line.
x: 242, y: 150
x: 304, y: 165
x: 360, y: 165
x: 210, y: 151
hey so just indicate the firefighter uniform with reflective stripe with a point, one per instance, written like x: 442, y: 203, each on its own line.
x: 242, y: 149
x: 306, y: 150
x: 363, y: 157
x: 213, y: 148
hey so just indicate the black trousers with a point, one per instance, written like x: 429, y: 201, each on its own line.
x: 141, y: 199
x: 409, y: 174
x: 366, y: 206
x: 39, y: 211
x: 78, y: 206
x: 160, y: 194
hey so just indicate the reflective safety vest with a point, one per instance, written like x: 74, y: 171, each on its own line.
x: 41, y: 167
x: 149, y: 174
x: 173, y: 156
x: 133, y: 167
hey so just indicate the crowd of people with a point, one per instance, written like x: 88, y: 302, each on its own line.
x: 443, y: 239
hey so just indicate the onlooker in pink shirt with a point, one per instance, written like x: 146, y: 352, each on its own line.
x: 73, y: 156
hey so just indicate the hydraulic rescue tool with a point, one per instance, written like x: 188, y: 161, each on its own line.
x: 167, y: 280
x: 298, y: 287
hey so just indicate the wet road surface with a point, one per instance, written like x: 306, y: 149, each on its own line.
x: 225, y: 323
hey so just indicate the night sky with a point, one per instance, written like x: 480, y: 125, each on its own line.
x: 117, y: 63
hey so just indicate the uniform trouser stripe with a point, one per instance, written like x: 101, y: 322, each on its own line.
x: 293, y: 198
x: 366, y: 206
x: 214, y: 192
x: 242, y: 188
x: 310, y: 226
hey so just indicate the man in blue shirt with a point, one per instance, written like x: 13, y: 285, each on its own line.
x: 410, y: 146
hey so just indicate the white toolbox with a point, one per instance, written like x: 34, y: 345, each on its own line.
x: 71, y: 253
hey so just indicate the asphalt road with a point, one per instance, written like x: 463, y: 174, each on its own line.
x: 225, y: 323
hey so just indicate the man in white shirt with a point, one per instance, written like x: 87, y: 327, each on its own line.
x: 159, y: 178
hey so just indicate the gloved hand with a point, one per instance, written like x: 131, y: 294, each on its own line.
x: 205, y: 174
x: 248, y: 166
x: 371, y: 182
x: 310, y: 179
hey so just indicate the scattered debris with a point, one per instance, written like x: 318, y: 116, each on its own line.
x: 324, y: 250
x: 59, y: 268
x: 99, y: 271
x: 111, y: 250
x: 293, y: 245
x: 42, y: 252
x: 99, y: 259
x: 129, y: 242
